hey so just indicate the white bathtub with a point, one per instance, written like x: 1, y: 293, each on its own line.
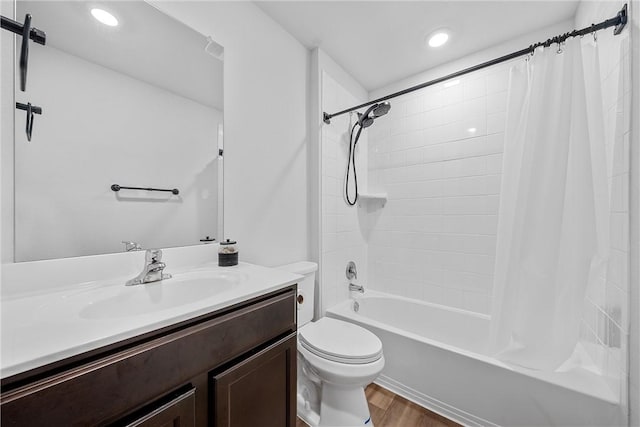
x: 435, y: 357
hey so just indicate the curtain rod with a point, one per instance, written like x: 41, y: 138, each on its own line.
x: 619, y: 21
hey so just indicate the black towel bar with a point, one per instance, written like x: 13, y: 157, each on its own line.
x: 116, y: 187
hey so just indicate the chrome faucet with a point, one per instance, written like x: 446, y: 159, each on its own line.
x: 356, y: 288
x: 352, y: 276
x: 152, y: 270
x: 131, y: 246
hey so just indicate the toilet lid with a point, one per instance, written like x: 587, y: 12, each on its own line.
x: 340, y: 341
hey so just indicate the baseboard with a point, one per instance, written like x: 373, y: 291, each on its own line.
x: 434, y: 405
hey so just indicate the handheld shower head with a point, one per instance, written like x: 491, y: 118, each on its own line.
x: 376, y: 110
x: 365, y: 120
x: 381, y: 109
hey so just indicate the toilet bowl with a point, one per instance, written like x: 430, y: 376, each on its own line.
x: 336, y: 361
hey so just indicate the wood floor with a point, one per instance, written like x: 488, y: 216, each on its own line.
x: 390, y: 410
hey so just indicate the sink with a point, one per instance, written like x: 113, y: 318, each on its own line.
x: 117, y: 301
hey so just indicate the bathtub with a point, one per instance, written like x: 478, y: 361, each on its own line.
x: 435, y: 356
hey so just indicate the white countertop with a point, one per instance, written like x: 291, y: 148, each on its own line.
x: 38, y: 328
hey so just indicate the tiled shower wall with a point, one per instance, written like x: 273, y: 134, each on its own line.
x: 342, y: 234
x: 605, y: 330
x: 438, y: 155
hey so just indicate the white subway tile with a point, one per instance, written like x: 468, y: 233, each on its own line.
x: 433, y: 293
x: 498, y: 81
x: 466, y: 205
x: 496, y: 122
x: 431, y: 100
x: 497, y: 102
x: 451, y: 113
x: 471, y: 243
x: 478, y: 302
x: 474, y: 88
x: 470, y: 224
x: 494, y: 161
x: 453, y: 297
x: 474, y: 107
x: 468, y: 186
x: 452, y: 95
x: 464, y: 167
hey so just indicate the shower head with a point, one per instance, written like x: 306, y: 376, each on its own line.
x: 376, y: 110
x: 381, y: 109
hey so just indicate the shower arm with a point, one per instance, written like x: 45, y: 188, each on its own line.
x: 618, y: 22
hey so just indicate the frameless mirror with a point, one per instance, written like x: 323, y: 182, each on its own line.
x: 130, y: 97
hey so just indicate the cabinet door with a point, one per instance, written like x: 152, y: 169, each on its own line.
x: 179, y: 412
x: 260, y: 390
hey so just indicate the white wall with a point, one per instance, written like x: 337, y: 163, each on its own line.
x: 342, y: 226
x: 6, y: 133
x: 7, y: 108
x: 100, y: 127
x: 634, y: 214
x: 634, y: 211
x: 265, y: 87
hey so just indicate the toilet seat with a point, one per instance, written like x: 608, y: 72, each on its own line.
x: 339, y: 341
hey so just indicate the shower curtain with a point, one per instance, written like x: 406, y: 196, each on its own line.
x: 552, y: 236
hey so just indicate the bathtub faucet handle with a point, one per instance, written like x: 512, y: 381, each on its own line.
x: 351, y: 272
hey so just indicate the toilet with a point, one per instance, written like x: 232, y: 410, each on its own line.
x: 336, y: 361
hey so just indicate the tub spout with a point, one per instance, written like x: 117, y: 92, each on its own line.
x: 356, y: 288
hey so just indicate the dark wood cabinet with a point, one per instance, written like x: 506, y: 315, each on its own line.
x: 172, y: 376
x: 257, y: 391
x: 178, y: 412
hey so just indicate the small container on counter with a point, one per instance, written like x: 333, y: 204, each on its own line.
x: 228, y: 253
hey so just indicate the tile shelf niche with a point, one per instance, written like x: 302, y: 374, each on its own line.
x: 372, y: 197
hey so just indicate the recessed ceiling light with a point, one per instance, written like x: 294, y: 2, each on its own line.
x: 105, y: 17
x: 438, y: 39
x: 471, y: 130
x: 451, y: 83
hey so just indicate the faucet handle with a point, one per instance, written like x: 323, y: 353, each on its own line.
x: 153, y: 255
x: 130, y: 245
x: 351, y: 272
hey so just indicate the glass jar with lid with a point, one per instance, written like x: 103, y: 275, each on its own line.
x: 228, y: 253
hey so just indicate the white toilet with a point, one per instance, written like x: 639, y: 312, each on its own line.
x: 336, y: 360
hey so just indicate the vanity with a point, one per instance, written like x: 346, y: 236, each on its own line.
x: 224, y: 356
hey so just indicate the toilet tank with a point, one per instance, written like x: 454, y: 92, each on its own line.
x: 306, y: 288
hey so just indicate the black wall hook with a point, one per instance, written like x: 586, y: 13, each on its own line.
x: 24, y: 52
x: 27, y: 33
x: 31, y: 110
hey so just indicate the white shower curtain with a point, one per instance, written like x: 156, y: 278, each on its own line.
x: 552, y: 230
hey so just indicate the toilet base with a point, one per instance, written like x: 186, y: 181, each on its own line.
x: 341, y: 406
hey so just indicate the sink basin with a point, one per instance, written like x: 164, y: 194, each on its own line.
x: 117, y: 301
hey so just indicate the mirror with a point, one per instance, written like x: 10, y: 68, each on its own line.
x: 135, y: 104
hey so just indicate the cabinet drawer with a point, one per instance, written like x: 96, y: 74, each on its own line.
x: 102, y: 390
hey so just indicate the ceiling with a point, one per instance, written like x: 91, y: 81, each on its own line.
x: 146, y: 45
x: 380, y: 42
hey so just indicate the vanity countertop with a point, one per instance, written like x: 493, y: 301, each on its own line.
x: 39, y: 328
